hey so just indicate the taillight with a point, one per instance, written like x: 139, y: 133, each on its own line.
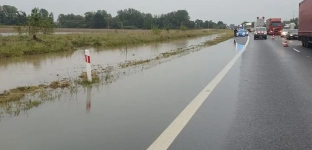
x: 265, y: 32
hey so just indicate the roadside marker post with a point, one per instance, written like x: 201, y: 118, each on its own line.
x: 285, y: 43
x: 88, y: 65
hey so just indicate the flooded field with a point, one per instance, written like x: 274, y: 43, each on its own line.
x: 42, y: 69
x: 122, y: 115
x: 12, y: 34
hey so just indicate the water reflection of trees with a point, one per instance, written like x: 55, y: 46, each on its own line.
x: 35, y: 60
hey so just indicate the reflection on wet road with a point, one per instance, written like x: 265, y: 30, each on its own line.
x: 263, y: 102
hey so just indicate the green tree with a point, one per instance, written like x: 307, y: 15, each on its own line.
x: 199, y: 23
x: 98, y: 21
x: 34, y: 21
x: 38, y: 22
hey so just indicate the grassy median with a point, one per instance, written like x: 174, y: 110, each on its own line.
x: 15, y: 46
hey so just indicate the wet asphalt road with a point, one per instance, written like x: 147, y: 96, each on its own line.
x: 263, y: 102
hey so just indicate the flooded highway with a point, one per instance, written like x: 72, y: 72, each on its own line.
x: 127, y: 114
x: 43, y: 69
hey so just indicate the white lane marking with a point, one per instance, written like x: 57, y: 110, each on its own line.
x: 172, y: 131
x: 296, y: 50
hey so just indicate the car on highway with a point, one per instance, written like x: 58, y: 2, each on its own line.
x: 284, y: 32
x: 242, y: 32
x: 260, y: 32
x: 292, y: 34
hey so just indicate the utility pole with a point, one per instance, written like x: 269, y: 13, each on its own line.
x: 108, y: 24
x: 208, y: 24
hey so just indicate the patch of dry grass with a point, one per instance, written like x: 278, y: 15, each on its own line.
x: 60, y: 84
x: 19, y: 93
x: 83, y: 78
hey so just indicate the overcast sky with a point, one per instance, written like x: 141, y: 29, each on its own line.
x: 228, y: 11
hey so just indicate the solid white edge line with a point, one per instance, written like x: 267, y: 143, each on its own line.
x: 173, y: 130
x: 296, y: 50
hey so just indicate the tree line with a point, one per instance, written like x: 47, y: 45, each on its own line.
x: 125, y: 19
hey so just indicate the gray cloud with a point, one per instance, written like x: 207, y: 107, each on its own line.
x: 229, y: 11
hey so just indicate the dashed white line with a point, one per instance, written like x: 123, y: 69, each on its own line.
x: 173, y: 130
x: 296, y: 50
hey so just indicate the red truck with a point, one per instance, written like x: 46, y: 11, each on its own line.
x: 305, y: 23
x: 274, y: 26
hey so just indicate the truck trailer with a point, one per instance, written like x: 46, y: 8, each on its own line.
x: 305, y: 23
x: 248, y: 26
x: 274, y: 26
x: 259, y: 22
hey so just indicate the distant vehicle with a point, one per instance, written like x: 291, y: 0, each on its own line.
x: 260, y: 32
x: 259, y: 22
x: 305, y: 23
x: 284, y: 32
x: 292, y: 25
x: 286, y: 26
x: 274, y: 26
x: 242, y: 32
x: 248, y: 26
x: 292, y: 34
x: 289, y: 26
x: 232, y: 26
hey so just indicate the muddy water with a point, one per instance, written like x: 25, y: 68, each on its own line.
x: 129, y: 114
x: 11, y: 34
x: 42, y: 69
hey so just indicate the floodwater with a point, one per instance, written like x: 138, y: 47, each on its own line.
x: 128, y: 114
x: 43, y: 69
x: 11, y: 34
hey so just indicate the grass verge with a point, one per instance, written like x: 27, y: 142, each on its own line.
x: 14, y: 46
x: 221, y: 38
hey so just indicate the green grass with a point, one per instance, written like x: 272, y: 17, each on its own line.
x: 15, y: 46
x: 227, y: 35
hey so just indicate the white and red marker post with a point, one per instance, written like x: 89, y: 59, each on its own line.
x: 88, y: 65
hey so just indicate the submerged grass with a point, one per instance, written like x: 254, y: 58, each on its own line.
x: 83, y: 78
x: 14, y: 46
x: 227, y: 35
x: 19, y: 93
x: 221, y: 38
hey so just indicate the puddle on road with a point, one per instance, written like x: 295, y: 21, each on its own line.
x: 43, y: 69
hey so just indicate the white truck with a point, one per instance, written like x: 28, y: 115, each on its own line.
x: 289, y: 26
x: 259, y: 22
x: 248, y: 26
x: 292, y: 25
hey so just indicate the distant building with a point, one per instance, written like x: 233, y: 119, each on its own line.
x: 232, y: 26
